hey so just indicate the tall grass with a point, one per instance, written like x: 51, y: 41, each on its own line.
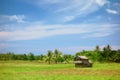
x: 25, y: 70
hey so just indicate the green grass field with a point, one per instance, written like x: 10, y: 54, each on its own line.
x: 25, y: 70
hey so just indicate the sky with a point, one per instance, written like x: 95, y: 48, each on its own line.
x: 67, y: 25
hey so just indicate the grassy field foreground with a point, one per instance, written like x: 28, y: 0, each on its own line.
x: 22, y: 70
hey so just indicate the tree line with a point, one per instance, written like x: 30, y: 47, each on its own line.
x: 105, y: 54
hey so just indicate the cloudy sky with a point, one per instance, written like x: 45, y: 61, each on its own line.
x: 68, y: 25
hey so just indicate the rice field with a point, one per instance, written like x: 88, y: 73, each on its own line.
x: 25, y: 70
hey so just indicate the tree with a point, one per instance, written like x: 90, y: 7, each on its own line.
x: 10, y: 56
x: 108, y: 48
x: 116, y: 57
x: 49, y: 56
x: 104, y: 54
x: 82, y: 53
x: 97, y: 49
x: 31, y: 56
x: 24, y: 57
x: 66, y: 56
x: 98, y: 53
x: 41, y: 57
x: 107, y: 55
x: 57, y: 55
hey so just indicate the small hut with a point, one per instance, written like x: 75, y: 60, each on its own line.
x: 82, y: 61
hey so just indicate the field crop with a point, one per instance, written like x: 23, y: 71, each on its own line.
x: 25, y: 70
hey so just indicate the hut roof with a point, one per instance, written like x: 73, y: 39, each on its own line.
x: 82, y: 57
x: 77, y: 61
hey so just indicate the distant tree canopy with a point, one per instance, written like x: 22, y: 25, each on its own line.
x: 101, y: 55
x: 31, y: 56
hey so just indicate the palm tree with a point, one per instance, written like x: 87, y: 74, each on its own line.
x: 56, y: 53
x: 108, y: 48
x: 107, y: 52
x: 97, y: 49
x: 98, y: 54
x: 49, y: 56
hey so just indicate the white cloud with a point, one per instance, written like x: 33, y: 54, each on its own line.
x: 111, y: 11
x: 99, y: 34
x: 102, y: 2
x: 18, y: 18
x: 12, y: 18
x: 77, y: 7
x: 69, y: 8
x: 36, y: 31
x: 68, y: 18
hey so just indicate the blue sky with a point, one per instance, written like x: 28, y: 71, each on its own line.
x: 69, y: 26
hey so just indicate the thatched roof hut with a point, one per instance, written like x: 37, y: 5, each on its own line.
x: 82, y: 61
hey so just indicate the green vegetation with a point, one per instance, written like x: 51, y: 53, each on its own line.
x: 58, y: 66
x: 27, y: 70
x: 104, y: 55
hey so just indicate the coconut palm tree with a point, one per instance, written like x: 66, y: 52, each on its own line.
x: 49, y: 56
x: 56, y: 53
